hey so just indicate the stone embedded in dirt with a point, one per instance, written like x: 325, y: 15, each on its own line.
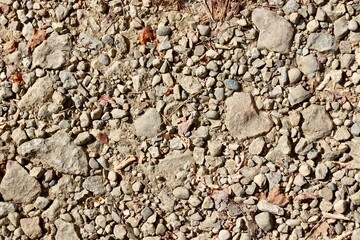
x: 53, y: 53
x: 321, y: 42
x: 17, y: 185
x: 265, y: 221
x: 31, y: 227
x: 243, y: 119
x: 94, y: 184
x: 51, y: 152
x: 317, y: 122
x: 66, y: 230
x: 308, y: 64
x: 190, y: 84
x: 6, y: 208
x: 276, y: 33
x: 148, y: 124
x: 38, y: 94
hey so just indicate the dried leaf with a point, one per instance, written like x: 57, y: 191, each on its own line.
x: 185, y: 126
x: 276, y: 197
x: 102, y: 138
x: 16, y: 78
x: 10, y: 46
x: 305, y: 196
x: 320, y: 230
x: 167, y: 136
x: 104, y: 99
x: 337, y: 216
x: 4, y: 8
x: 261, y: 196
x: 37, y: 37
x: 146, y: 34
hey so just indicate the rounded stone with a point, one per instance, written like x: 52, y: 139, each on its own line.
x: 232, y: 84
x: 104, y: 59
x: 265, y: 221
x: 224, y: 235
x: 340, y: 206
x: 353, y: 25
x: 305, y: 170
x: 181, y: 193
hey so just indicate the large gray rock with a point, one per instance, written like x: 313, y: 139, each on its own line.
x: 38, y: 94
x: 317, y: 122
x: 190, y: 84
x: 17, y: 185
x: 53, y: 53
x: 276, y: 33
x: 58, y: 152
x: 65, y: 230
x: 321, y: 42
x: 243, y: 119
x: 148, y: 124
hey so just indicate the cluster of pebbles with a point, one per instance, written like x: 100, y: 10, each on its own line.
x: 242, y: 129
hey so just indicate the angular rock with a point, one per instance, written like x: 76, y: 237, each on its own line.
x: 243, y: 119
x: 53, y: 53
x: 31, y: 227
x: 308, y: 64
x: 265, y: 206
x: 265, y: 221
x: 276, y: 33
x: 190, y: 84
x: 317, y: 122
x: 17, y: 185
x: 298, y: 94
x: 148, y: 124
x: 65, y: 230
x: 38, y: 94
x: 6, y: 208
x: 321, y: 42
x: 94, y: 184
x: 51, y: 152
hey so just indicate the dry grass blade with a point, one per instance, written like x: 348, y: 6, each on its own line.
x: 221, y: 10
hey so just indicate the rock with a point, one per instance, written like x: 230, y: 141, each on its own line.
x: 181, y: 193
x: 317, y: 122
x: 31, y: 227
x: 257, y: 146
x: 53, y: 53
x: 340, y: 206
x: 260, y: 180
x: 19, y: 136
x: 353, y: 25
x: 95, y: 185
x: 17, y: 185
x: 53, y: 211
x: 104, y: 59
x: 148, y: 124
x: 38, y: 94
x: 51, y: 152
x: 83, y: 138
x: 232, y: 84
x: 265, y: 221
x: 122, y: 43
x: 308, y: 64
x: 355, y: 234
x: 113, y: 69
x: 298, y: 94
x: 276, y: 33
x: 313, y: 25
x: 6, y: 208
x: 342, y: 134
x: 163, y: 30
x: 242, y: 118
x: 321, y: 42
x: 294, y: 75
x: 65, y: 230
x: 120, y: 231
x: 224, y: 234
x: 321, y: 171
x: 265, y: 206
x: 340, y: 28
x: 290, y: 7
x: 61, y: 12
x: 190, y: 84
x: 355, y: 198
x: 204, y: 30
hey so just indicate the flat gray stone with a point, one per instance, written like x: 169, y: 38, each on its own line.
x: 317, y: 122
x: 265, y: 221
x: 53, y: 53
x: 66, y: 230
x: 38, y: 94
x: 51, y: 152
x: 243, y: 119
x: 31, y: 227
x: 17, y: 185
x: 190, y: 84
x: 95, y: 185
x: 298, y: 94
x: 148, y: 124
x: 321, y: 42
x: 308, y: 64
x: 276, y: 33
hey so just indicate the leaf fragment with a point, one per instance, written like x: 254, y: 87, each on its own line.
x: 36, y: 38
x: 276, y: 197
x: 17, y: 78
x: 105, y: 99
x: 102, y: 138
x: 146, y: 34
x: 10, y: 46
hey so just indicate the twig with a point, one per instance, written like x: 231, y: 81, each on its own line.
x: 335, y: 216
x: 314, y: 228
x: 125, y: 162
